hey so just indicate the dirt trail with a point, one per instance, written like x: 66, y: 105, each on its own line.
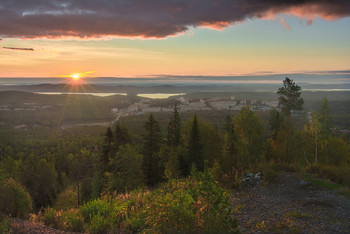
x: 287, y: 206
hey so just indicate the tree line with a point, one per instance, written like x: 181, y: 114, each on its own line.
x: 116, y: 164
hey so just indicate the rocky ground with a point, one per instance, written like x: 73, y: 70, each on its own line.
x: 291, y: 206
x: 20, y: 226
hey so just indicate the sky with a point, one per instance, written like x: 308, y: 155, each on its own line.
x: 140, y: 38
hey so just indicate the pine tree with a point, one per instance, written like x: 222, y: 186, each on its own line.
x: 151, y: 147
x: 194, y: 151
x: 121, y: 136
x: 107, y: 148
x: 289, y: 97
x: 174, y: 129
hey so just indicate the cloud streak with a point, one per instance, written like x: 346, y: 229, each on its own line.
x: 16, y: 48
x: 148, y: 19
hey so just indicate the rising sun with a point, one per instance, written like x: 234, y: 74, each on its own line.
x: 75, y: 76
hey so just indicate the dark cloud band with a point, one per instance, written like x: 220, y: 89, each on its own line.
x: 15, y: 48
x: 146, y: 18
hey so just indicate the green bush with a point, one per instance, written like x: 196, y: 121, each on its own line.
x: 99, y: 224
x: 72, y: 221
x: 49, y: 218
x: 66, y: 200
x: 14, y: 200
x: 339, y: 175
x: 270, y: 172
x: 313, y: 168
x: 5, y: 226
x: 197, y: 205
x: 92, y: 208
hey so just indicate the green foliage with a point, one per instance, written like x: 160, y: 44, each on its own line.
x: 172, y: 166
x: 270, y: 171
x: 289, y: 97
x: 174, y: 129
x: 195, y: 205
x: 325, y: 118
x: 275, y: 122
x: 126, y: 174
x: 14, y: 199
x: 92, y: 208
x: 40, y: 178
x: 98, y: 224
x: 338, y: 151
x: 339, y: 175
x: 67, y: 199
x: 121, y: 136
x: 49, y: 218
x: 107, y: 147
x: 68, y: 220
x: 229, y: 149
x: 248, y: 135
x: 151, y: 148
x: 5, y: 225
x: 72, y: 221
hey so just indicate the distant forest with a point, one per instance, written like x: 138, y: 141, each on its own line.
x: 170, y: 176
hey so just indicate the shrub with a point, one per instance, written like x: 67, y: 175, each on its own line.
x: 99, y: 224
x: 49, y: 218
x: 72, y: 221
x: 197, y: 205
x: 14, y: 200
x: 92, y: 208
x: 313, y: 168
x: 66, y: 200
x: 5, y: 226
x: 269, y: 171
x: 340, y: 175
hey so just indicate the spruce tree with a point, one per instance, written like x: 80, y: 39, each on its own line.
x: 107, y: 148
x: 121, y: 136
x: 151, y: 147
x: 174, y: 129
x: 194, y: 152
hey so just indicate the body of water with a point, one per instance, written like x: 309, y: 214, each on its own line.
x: 146, y: 95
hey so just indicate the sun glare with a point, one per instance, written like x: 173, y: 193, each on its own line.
x: 75, y: 76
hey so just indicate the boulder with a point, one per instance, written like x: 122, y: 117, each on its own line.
x: 251, y: 180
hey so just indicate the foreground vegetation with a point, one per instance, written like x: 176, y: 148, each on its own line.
x: 100, y: 181
x: 197, y: 204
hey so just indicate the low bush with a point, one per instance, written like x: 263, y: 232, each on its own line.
x: 14, y: 199
x: 72, y: 221
x: 49, y: 218
x: 339, y: 175
x: 195, y: 205
x: 269, y: 171
x: 5, y: 226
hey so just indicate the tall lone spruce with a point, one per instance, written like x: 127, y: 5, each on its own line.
x: 174, y: 129
x: 151, y: 147
x: 289, y: 97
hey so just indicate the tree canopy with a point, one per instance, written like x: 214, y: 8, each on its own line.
x: 289, y: 97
